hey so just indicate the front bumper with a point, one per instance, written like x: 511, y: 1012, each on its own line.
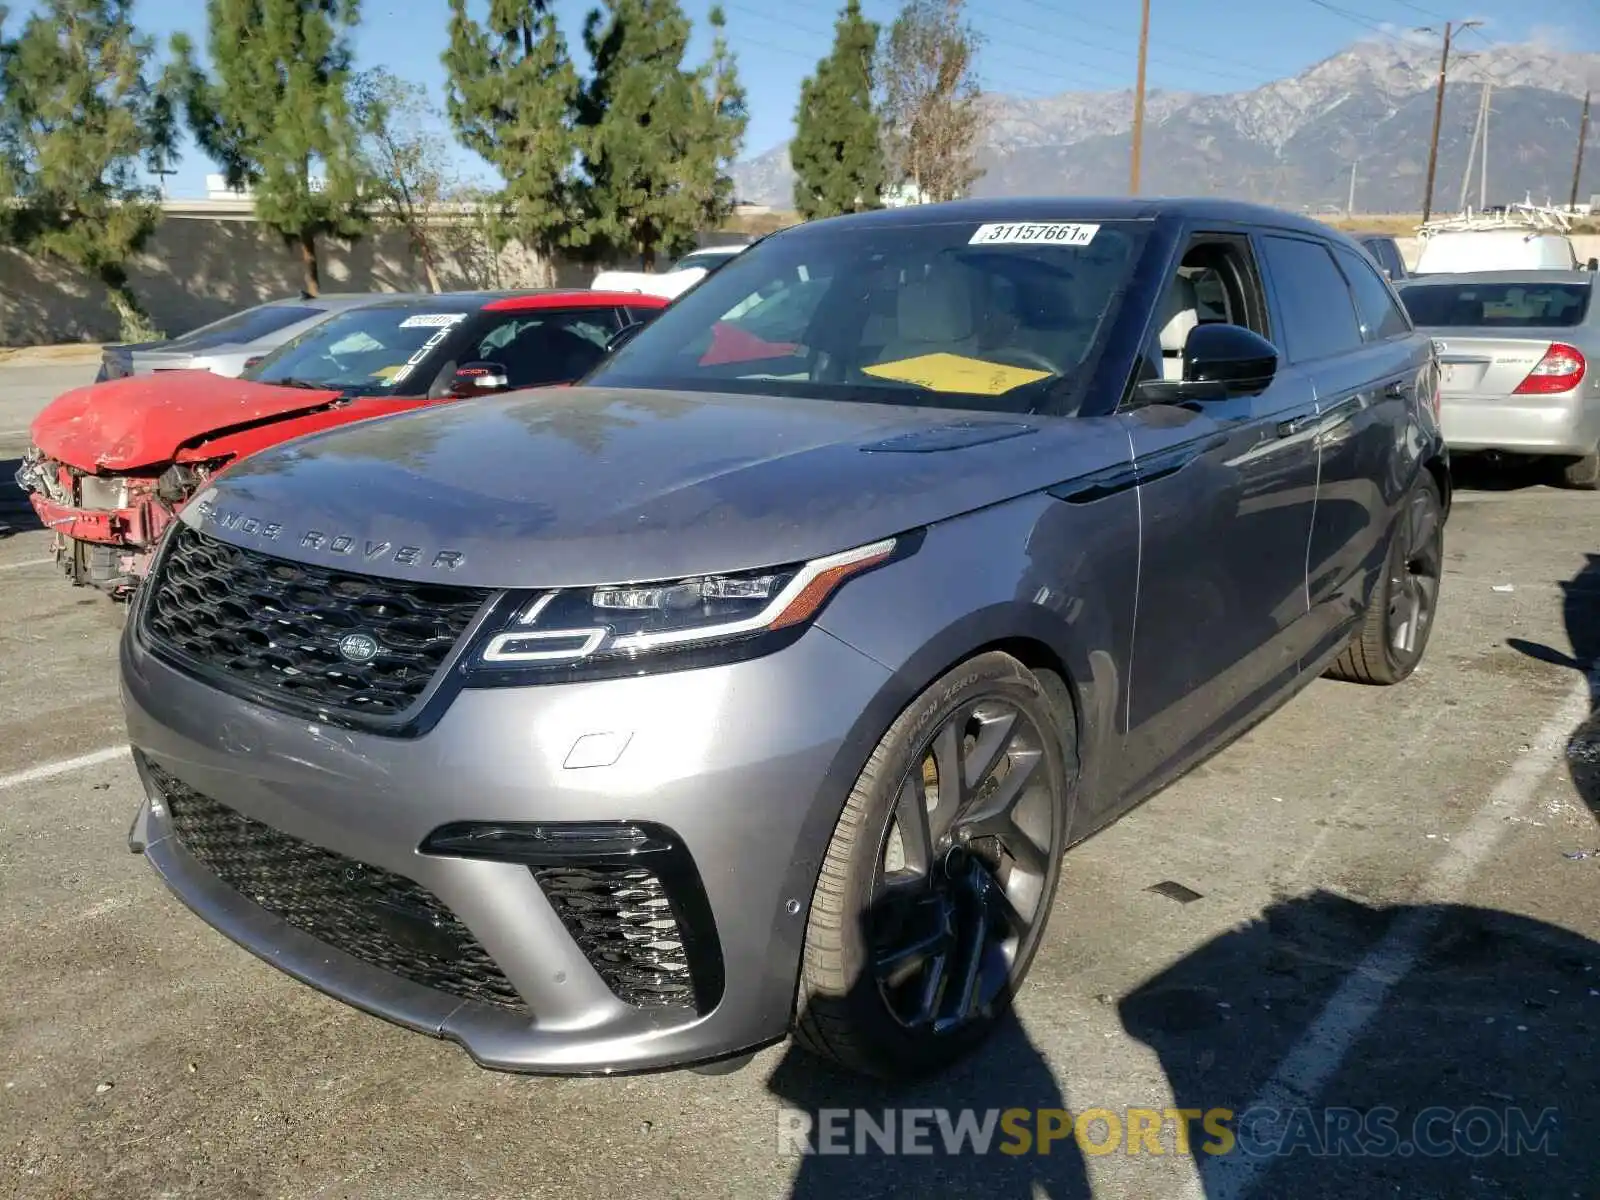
x: 1563, y: 424
x: 133, y: 518
x: 747, y: 766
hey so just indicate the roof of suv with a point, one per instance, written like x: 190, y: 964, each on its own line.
x: 1055, y: 208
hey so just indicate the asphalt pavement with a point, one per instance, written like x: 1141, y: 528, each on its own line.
x: 1384, y: 917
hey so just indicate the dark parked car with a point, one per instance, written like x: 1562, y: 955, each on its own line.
x: 1385, y: 252
x: 760, y: 682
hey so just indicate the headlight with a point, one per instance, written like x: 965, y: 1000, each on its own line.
x: 616, y: 624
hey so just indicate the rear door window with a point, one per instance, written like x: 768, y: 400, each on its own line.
x: 1318, y: 312
x: 1381, y: 317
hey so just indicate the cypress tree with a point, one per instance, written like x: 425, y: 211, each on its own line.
x: 278, y: 110
x: 79, y: 113
x: 837, y: 151
x: 511, y: 91
x: 656, y: 138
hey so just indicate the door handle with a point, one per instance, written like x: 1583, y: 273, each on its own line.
x: 1296, y: 425
x: 1395, y: 389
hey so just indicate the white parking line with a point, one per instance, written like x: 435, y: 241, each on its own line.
x: 1312, y: 1061
x: 27, y: 562
x: 51, y: 770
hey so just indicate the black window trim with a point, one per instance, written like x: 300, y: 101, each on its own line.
x: 1408, y: 327
x: 1182, y: 240
x: 1326, y: 245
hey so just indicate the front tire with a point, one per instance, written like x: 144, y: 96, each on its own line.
x: 937, y: 884
x: 1399, y: 618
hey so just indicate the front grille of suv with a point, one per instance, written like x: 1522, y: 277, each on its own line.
x: 381, y: 918
x: 274, y: 626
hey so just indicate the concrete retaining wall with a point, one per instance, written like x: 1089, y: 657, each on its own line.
x: 197, y: 269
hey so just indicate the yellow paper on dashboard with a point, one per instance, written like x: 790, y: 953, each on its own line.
x: 944, y: 372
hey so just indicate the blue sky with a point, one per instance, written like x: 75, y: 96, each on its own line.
x: 1034, y: 47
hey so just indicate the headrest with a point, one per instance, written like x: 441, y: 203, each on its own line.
x: 1180, y: 314
x: 935, y: 310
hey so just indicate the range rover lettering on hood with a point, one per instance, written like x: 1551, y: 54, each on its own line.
x: 207, y: 512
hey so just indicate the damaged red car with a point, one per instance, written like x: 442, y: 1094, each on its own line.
x: 112, y: 463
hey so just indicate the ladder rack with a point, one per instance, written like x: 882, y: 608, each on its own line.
x: 1537, y: 218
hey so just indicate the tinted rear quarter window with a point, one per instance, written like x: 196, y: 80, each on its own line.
x: 1498, y: 305
x: 1381, y: 317
x: 246, y: 326
x: 1318, y: 314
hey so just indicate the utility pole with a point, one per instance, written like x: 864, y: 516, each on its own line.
x: 1483, y: 165
x: 1472, y: 150
x: 1138, y: 102
x: 1450, y: 30
x: 1350, y: 205
x: 1583, y: 136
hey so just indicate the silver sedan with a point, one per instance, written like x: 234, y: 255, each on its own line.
x: 1515, y: 349
x: 227, y: 346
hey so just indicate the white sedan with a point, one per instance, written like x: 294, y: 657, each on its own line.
x: 676, y: 279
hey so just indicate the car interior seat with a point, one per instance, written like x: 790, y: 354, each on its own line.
x: 1180, y: 314
x: 932, y: 315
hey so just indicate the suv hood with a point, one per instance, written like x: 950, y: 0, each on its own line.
x: 145, y: 420
x: 590, y: 485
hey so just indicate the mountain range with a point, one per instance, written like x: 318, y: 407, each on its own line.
x: 1293, y: 142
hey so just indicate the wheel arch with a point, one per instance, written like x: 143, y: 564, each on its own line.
x: 1036, y: 637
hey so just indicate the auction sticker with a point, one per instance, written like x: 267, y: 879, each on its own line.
x: 1034, y: 233
x: 433, y: 320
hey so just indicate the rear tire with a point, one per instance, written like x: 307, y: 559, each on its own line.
x: 1399, y: 617
x: 1581, y: 474
x: 935, y: 890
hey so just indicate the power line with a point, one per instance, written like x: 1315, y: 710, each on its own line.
x: 1078, y: 39
x: 1080, y: 19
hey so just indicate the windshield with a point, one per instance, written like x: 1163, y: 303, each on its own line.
x: 1497, y: 305
x: 367, y: 351
x: 997, y: 317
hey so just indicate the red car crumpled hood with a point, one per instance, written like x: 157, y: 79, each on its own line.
x: 145, y: 420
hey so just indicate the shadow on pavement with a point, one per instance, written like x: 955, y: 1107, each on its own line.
x: 1580, y: 610
x: 1481, y: 1057
x: 1005, y: 1072
x: 16, y: 514
x: 1481, y: 473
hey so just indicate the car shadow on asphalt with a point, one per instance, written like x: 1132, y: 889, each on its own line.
x: 16, y: 514
x: 1477, y: 1073
x: 1005, y: 1072
x: 926, y: 1150
x: 1480, y: 473
x: 1580, y: 612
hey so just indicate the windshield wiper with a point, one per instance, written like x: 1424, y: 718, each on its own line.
x: 299, y: 383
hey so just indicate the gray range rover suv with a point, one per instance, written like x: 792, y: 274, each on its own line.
x: 760, y: 683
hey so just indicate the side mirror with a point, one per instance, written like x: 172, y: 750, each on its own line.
x: 1594, y: 264
x: 476, y: 378
x: 623, y: 336
x: 1238, y: 358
